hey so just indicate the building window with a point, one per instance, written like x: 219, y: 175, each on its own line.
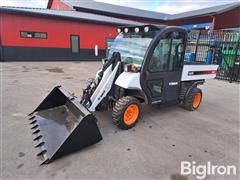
x: 28, y: 34
x: 75, y: 41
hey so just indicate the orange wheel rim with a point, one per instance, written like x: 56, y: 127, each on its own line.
x: 131, y: 114
x: 197, y: 99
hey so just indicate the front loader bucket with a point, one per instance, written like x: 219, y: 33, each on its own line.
x: 62, y: 125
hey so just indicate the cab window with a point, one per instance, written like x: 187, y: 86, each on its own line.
x: 167, y: 54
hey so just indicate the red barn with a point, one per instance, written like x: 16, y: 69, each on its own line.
x: 43, y: 34
x: 82, y: 30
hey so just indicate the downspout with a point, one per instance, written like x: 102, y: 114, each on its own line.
x: 49, y: 5
x: 213, y: 23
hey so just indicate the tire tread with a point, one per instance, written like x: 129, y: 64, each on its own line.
x: 188, y: 101
x: 119, y: 108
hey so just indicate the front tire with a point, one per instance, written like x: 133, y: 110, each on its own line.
x: 126, y: 112
x: 193, y: 100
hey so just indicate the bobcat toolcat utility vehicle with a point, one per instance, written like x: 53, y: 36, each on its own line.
x: 145, y: 65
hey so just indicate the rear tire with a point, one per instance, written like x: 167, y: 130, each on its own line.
x: 126, y: 112
x: 193, y: 100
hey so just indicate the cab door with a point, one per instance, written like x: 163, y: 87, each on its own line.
x: 162, y: 68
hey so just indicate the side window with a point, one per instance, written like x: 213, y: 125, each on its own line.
x: 159, y: 59
x: 168, y: 53
x: 176, y: 51
x: 155, y: 87
x: 75, y: 41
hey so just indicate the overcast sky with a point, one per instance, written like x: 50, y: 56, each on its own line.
x: 164, y: 6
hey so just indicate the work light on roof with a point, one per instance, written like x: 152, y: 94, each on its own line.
x: 136, y: 30
x: 146, y: 29
x: 118, y: 30
x: 126, y: 30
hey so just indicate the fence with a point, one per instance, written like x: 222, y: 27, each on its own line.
x: 217, y: 47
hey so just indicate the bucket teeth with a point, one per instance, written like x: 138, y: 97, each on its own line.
x: 33, y: 122
x: 41, y: 153
x: 37, y: 138
x: 39, y: 145
x: 37, y: 131
x: 30, y: 114
x: 31, y: 118
x: 35, y: 126
x: 45, y: 161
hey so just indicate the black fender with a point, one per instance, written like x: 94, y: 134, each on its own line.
x: 194, y: 84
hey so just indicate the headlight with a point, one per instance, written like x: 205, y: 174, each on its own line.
x: 126, y: 30
x: 146, y: 29
x: 136, y: 30
x: 118, y: 30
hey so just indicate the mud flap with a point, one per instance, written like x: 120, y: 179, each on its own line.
x: 62, y: 125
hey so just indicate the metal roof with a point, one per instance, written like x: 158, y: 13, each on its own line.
x: 110, y: 9
x: 154, y: 26
x: 74, y: 15
x: 206, y: 11
x: 105, y: 8
x: 93, y: 7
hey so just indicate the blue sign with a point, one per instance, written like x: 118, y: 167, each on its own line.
x: 198, y: 26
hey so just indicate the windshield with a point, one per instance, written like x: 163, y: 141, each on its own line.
x: 131, y: 47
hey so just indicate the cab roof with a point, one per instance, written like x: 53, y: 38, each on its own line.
x: 151, y: 27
